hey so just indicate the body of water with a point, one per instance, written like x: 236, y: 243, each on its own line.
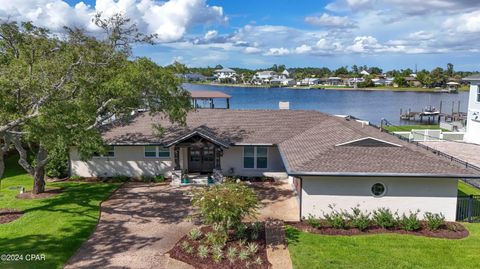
x: 367, y: 105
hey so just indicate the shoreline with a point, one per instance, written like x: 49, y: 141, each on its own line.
x: 391, y: 89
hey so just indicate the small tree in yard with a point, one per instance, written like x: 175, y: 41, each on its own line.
x: 225, y: 205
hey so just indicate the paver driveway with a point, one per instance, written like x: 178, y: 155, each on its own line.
x: 138, y: 225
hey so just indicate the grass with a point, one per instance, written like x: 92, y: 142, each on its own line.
x: 55, y: 226
x: 408, y: 128
x: 386, y: 250
x: 465, y: 189
x: 383, y: 250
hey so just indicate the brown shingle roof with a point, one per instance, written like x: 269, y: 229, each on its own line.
x: 308, y: 141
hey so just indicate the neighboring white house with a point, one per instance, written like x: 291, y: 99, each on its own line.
x: 225, y: 73
x: 285, y: 74
x: 329, y: 160
x: 265, y: 77
x: 309, y: 82
x: 334, y: 81
x: 354, y: 81
x: 472, y: 134
x: 364, y: 73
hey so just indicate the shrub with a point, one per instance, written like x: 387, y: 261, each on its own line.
x: 252, y: 248
x: 195, y: 234
x: 434, y: 221
x: 159, y: 179
x: 243, y: 254
x: 216, y: 238
x: 241, y: 231
x: 217, y: 253
x: 225, y: 204
x: 384, y: 218
x: 202, y: 251
x: 231, y: 254
x: 121, y: 178
x: 410, y: 222
x: 256, y: 229
x: 146, y: 178
x: 57, y: 166
x: 75, y: 177
x: 259, y: 261
x: 358, y: 219
x: 336, y: 219
x: 313, y: 221
x: 184, y: 245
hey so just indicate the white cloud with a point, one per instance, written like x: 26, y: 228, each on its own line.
x: 303, y: 49
x: 421, y: 35
x: 464, y: 23
x: 251, y: 50
x: 277, y: 52
x: 364, y: 44
x: 329, y: 21
x: 210, y: 34
x: 170, y: 20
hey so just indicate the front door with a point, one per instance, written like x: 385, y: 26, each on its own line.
x: 201, y: 159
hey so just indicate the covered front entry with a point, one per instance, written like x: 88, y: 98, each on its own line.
x: 201, y: 159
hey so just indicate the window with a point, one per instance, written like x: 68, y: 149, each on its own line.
x: 150, y: 151
x: 249, y: 157
x: 478, y: 93
x: 163, y: 152
x: 262, y: 153
x: 255, y: 157
x: 154, y: 151
x: 378, y: 189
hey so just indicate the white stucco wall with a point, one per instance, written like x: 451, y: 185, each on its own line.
x: 128, y: 161
x: 473, y: 126
x: 233, y: 158
x: 403, y: 194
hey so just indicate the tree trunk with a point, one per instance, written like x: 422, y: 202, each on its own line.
x: 39, y: 180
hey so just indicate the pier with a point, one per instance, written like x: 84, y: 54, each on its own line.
x: 432, y: 115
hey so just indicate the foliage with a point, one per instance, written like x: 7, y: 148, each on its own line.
x: 232, y: 254
x: 57, y: 167
x: 252, y: 247
x: 244, y: 254
x: 313, y: 221
x: 184, y: 245
x: 259, y: 260
x: 147, y: 178
x: 202, y: 251
x: 256, y: 229
x: 217, y: 253
x: 225, y: 205
x: 122, y: 178
x: 358, y: 219
x: 410, y: 222
x: 434, y: 220
x: 335, y: 218
x: 384, y: 218
x: 159, y: 179
x: 216, y: 238
x: 241, y: 231
x: 195, y: 234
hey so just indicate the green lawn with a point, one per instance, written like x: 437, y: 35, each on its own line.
x: 408, y: 128
x: 383, y: 251
x: 55, y: 226
x: 386, y: 250
x: 466, y: 189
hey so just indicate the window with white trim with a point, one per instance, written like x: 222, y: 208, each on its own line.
x: 255, y: 157
x: 156, y: 151
x: 478, y: 93
x: 150, y: 151
x: 110, y: 152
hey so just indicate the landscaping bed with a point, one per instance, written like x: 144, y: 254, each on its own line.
x: 48, y: 193
x: 8, y: 215
x: 187, y: 250
x: 249, y: 179
x: 449, y: 230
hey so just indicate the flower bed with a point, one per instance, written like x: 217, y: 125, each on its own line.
x: 449, y: 230
x: 8, y: 215
x: 247, y: 251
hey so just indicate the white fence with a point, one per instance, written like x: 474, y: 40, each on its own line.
x: 420, y: 135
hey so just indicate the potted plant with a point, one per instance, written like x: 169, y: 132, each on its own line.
x: 185, y: 178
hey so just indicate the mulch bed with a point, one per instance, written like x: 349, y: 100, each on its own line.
x: 450, y: 230
x: 8, y: 215
x: 48, y: 193
x: 177, y: 253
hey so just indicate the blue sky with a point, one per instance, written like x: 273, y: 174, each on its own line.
x: 256, y: 34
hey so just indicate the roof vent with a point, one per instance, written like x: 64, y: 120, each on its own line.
x: 283, y: 105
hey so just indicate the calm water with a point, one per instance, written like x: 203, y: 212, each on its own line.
x: 368, y: 105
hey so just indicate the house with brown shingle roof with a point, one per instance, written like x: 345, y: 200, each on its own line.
x: 329, y: 160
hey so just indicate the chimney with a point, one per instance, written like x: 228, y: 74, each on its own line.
x: 283, y: 105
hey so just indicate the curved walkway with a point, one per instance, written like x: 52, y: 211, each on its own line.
x: 138, y: 225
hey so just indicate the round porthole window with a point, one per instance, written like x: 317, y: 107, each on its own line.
x: 378, y: 189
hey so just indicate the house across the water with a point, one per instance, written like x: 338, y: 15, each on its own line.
x: 329, y: 160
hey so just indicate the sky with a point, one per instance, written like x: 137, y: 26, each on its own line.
x: 391, y: 34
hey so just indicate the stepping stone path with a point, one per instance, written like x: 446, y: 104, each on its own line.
x: 277, y: 251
